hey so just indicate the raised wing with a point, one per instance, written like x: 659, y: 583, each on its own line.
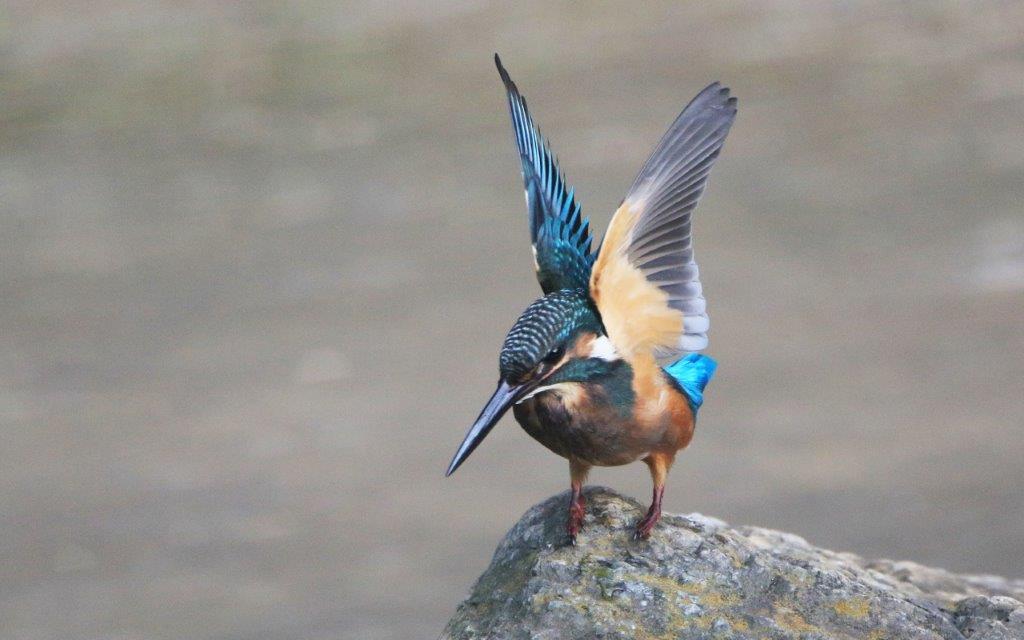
x: 645, y: 281
x: 559, y: 232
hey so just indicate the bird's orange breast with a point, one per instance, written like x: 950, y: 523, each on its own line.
x: 581, y: 420
x: 661, y: 410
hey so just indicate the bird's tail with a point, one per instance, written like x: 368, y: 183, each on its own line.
x: 693, y: 373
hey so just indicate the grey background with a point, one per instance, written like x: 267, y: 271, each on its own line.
x: 256, y: 261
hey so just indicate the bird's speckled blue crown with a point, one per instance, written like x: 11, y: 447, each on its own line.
x: 547, y: 323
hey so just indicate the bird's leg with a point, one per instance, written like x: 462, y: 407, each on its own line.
x: 577, y: 504
x: 659, y: 465
x: 644, y: 527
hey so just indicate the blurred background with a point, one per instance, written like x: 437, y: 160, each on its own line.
x: 257, y: 260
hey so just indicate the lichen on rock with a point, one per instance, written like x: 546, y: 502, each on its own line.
x: 697, y: 577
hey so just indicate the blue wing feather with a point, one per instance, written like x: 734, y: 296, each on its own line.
x: 559, y: 232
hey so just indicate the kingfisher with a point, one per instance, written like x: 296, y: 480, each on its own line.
x: 605, y: 369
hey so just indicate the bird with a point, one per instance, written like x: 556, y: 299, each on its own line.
x: 605, y: 368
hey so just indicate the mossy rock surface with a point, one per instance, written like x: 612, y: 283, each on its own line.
x: 697, y: 577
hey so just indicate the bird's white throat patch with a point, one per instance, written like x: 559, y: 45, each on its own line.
x: 568, y: 391
x: 603, y: 348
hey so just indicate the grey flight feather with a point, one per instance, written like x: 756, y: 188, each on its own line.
x: 665, y: 193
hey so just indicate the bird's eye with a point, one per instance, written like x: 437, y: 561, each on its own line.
x: 554, y: 355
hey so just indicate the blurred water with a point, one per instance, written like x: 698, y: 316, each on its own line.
x: 257, y: 261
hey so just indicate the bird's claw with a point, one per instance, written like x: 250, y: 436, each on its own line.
x: 646, y: 525
x: 643, y: 531
x: 575, y: 526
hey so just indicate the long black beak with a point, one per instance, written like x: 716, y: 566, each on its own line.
x: 504, y: 396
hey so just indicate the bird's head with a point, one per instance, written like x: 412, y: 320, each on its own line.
x: 554, y: 332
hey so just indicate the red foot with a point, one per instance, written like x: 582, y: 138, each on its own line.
x: 577, y: 509
x: 644, y: 527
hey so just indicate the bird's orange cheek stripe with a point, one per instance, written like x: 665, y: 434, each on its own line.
x: 583, y: 346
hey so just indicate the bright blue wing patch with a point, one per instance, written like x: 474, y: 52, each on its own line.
x: 559, y: 232
x: 693, y: 373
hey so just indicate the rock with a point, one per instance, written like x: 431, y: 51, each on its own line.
x: 697, y: 577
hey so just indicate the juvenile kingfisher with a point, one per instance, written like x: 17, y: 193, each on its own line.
x: 582, y: 367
